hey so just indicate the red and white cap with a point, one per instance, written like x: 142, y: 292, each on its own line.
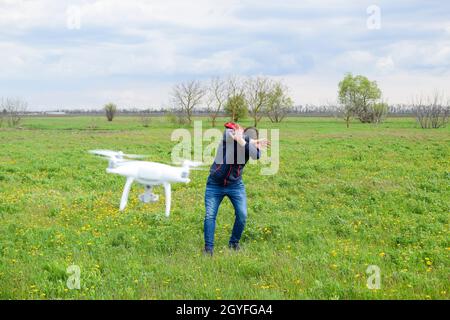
x: 231, y: 125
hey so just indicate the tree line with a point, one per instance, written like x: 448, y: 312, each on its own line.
x: 236, y: 97
x: 260, y: 96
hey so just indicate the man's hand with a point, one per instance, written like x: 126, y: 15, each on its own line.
x: 238, y: 136
x: 260, y: 143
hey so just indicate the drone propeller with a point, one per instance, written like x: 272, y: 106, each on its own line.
x: 199, y: 169
x: 115, y: 155
x: 189, y: 163
x: 119, y: 155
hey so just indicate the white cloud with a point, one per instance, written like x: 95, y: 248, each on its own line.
x: 385, y: 64
x: 17, y: 16
x: 126, y: 47
x: 422, y: 54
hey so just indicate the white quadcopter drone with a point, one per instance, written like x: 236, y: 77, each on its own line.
x: 149, y: 174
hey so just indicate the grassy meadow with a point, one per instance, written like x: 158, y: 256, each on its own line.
x: 343, y: 199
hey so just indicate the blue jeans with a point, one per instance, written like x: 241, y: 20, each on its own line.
x: 214, y: 195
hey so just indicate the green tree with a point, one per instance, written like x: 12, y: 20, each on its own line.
x: 358, y: 95
x: 379, y: 111
x: 236, y: 107
x: 279, y: 103
x: 110, y: 110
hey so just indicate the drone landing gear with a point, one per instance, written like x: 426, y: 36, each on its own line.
x: 148, y: 196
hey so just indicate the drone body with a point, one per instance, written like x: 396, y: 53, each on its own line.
x: 148, y: 174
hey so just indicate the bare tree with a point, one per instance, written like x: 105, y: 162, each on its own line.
x: 333, y: 108
x: 431, y: 112
x: 14, y: 110
x: 279, y: 103
x: 217, y: 97
x: 235, y: 86
x: 186, y: 96
x: 110, y: 110
x: 145, y: 118
x: 257, y: 94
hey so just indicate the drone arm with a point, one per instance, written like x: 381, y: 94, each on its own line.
x: 126, y: 191
x: 168, y: 197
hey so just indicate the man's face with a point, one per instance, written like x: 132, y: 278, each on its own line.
x: 239, y: 130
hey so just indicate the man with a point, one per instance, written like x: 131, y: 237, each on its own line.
x: 225, y: 179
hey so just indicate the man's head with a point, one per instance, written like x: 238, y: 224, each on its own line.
x: 251, y: 132
x: 232, y: 125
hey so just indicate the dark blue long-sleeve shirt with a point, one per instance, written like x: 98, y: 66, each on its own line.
x: 230, y: 159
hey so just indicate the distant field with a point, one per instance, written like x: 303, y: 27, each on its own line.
x: 343, y: 199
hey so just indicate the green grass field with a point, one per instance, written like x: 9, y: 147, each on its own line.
x: 342, y: 200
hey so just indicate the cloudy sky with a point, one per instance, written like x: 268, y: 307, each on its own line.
x: 82, y: 54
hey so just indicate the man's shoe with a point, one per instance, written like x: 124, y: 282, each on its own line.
x: 234, y: 246
x: 208, y: 251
